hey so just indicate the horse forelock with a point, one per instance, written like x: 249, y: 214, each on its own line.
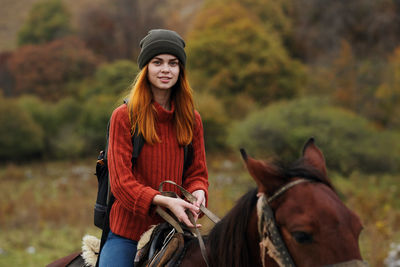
x: 227, y: 240
x: 300, y: 169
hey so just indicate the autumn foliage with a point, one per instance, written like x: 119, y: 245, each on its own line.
x: 48, y: 70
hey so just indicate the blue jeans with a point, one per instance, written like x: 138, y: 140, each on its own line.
x: 118, y: 251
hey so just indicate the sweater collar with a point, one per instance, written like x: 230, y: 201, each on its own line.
x: 164, y: 115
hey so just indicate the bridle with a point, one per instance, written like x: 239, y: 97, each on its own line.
x: 271, y: 240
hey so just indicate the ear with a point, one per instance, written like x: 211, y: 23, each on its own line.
x: 314, y: 157
x: 263, y: 174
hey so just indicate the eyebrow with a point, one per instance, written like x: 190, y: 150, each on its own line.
x: 172, y: 59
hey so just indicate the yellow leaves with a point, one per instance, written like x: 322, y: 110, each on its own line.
x: 233, y: 52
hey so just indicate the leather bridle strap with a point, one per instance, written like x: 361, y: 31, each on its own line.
x: 270, y: 237
x: 176, y: 224
x: 284, y: 188
x: 214, y: 218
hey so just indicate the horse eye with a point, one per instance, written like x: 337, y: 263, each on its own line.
x: 302, y: 237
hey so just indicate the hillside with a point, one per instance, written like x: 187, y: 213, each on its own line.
x: 13, y: 14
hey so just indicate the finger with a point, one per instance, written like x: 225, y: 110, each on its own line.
x: 191, y: 207
x: 199, y: 202
x: 203, y: 202
x: 186, y: 221
x: 195, y: 216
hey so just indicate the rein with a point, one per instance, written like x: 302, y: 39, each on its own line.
x: 172, y: 221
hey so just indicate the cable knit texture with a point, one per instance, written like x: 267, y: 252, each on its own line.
x: 134, y: 189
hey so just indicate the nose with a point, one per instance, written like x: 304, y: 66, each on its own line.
x: 165, y: 68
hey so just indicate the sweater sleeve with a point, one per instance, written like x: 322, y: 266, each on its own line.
x: 132, y: 195
x: 196, y: 176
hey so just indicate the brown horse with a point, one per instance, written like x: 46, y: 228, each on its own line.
x: 316, y: 228
x: 314, y: 224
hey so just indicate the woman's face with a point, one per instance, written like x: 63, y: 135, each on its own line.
x: 163, y: 71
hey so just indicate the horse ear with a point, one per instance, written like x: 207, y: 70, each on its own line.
x: 262, y: 173
x: 313, y: 156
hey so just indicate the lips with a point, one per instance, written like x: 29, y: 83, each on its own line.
x: 165, y: 79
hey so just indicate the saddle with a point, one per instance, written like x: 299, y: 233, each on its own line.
x: 180, y: 234
x: 166, y: 247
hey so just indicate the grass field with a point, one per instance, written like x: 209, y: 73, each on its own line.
x: 46, y: 208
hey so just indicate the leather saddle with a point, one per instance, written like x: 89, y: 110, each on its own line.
x: 165, y: 248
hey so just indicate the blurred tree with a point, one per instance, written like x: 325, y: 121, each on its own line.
x: 345, y: 87
x: 60, y: 124
x: 113, y: 79
x: 215, y: 122
x: 50, y: 70
x: 179, y: 15
x: 275, y: 13
x: 92, y: 124
x: 231, y: 53
x: 48, y: 20
x: 371, y: 27
x: 66, y: 141
x: 43, y: 115
x: 388, y: 93
x: 20, y: 137
x: 353, y: 83
x: 114, y: 31
x: 350, y: 143
x: 99, y: 32
x: 6, y: 78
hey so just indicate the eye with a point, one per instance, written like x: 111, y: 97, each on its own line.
x: 156, y: 62
x: 173, y: 63
x: 302, y: 237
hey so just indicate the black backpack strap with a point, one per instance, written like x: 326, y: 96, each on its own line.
x: 137, y: 142
x: 187, y: 159
x: 107, y: 136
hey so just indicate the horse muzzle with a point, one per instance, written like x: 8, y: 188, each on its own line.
x: 352, y: 263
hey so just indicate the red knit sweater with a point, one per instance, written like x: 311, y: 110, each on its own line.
x: 134, y: 189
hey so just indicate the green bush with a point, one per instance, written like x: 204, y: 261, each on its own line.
x: 214, y: 122
x: 42, y: 112
x: 21, y: 138
x: 47, y: 20
x: 59, y: 123
x: 112, y: 79
x: 67, y: 141
x: 348, y: 141
x: 96, y: 113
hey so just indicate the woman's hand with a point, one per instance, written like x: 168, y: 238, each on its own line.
x: 201, y: 198
x: 178, y: 207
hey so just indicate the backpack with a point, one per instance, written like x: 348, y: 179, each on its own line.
x: 105, y: 198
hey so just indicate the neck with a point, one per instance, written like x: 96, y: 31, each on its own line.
x: 162, y: 97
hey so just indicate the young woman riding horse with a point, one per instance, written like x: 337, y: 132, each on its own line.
x: 160, y: 107
x: 293, y: 218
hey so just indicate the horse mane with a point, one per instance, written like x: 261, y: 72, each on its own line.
x: 227, y: 240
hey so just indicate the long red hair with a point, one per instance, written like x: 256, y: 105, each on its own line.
x: 142, y: 113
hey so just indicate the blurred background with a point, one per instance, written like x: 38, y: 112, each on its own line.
x: 267, y: 75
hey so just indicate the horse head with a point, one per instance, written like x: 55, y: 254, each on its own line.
x: 314, y: 224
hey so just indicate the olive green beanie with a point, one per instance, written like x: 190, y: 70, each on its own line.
x: 161, y: 41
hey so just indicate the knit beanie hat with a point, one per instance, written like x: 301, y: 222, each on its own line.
x: 161, y: 41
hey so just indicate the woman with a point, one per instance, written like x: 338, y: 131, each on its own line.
x: 160, y: 105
